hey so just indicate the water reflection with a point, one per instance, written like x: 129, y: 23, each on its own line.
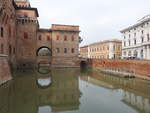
x: 135, y: 92
x: 62, y: 90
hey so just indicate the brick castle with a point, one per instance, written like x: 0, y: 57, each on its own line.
x: 21, y: 38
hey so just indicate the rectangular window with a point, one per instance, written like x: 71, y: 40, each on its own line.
x: 65, y: 50
x: 148, y: 38
x: 2, y: 49
x: 25, y: 35
x: 72, y: 38
x: 2, y: 32
x: 57, y: 38
x: 72, y: 50
x: 40, y: 37
x: 14, y: 51
x: 57, y: 50
x: 48, y: 38
x: 65, y: 38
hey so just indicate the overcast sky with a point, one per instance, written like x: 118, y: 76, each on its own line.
x: 98, y: 19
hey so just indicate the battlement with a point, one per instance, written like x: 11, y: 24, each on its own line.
x: 65, y: 27
x: 22, y: 3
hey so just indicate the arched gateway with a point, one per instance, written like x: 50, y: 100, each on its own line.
x: 44, y: 56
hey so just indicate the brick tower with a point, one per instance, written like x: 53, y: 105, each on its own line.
x: 27, y: 25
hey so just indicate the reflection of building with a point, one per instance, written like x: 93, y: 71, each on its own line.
x: 62, y: 95
x: 136, y: 39
x: 21, y: 38
x: 64, y: 90
x: 137, y: 102
x: 110, y: 49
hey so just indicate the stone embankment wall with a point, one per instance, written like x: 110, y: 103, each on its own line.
x: 137, y: 68
x: 5, y: 73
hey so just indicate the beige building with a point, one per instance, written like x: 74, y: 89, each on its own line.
x: 109, y: 49
x: 84, y: 51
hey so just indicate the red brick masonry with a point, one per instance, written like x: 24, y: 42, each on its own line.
x: 5, y: 73
x: 138, y: 68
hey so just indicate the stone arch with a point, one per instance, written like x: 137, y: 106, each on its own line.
x: 83, y: 64
x: 47, y: 53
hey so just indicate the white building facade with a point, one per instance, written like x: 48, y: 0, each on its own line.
x: 136, y: 40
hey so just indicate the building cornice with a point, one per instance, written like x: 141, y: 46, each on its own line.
x: 135, y: 25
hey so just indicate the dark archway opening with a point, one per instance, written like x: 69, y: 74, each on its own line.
x: 44, y: 51
x: 83, y: 64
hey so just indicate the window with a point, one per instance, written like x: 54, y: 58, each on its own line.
x: 72, y: 38
x: 134, y: 41
x: 134, y: 34
x: 57, y: 50
x: 148, y: 38
x: 129, y: 35
x: 2, y: 48
x: 129, y: 42
x: 65, y: 38
x: 14, y: 51
x: 72, y: 50
x: 57, y: 38
x: 40, y: 37
x: 142, y: 32
x: 2, y: 32
x: 142, y: 39
x: 65, y: 50
x: 10, y: 49
x: 124, y: 37
x: 25, y: 35
x: 48, y: 38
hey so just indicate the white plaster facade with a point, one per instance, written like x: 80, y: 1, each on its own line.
x: 136, y: 40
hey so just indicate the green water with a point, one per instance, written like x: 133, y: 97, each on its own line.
x: 73, y: 91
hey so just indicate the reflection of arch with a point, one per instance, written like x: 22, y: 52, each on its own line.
x: 47, y: 51
x: 44, y: 70
x: 44, y: 82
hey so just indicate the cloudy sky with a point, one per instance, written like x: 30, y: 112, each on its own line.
x: 98, y: 19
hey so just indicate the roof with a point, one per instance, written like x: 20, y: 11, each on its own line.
x: 28, y: 8
x: 107, y: 41
x: 140, y: 22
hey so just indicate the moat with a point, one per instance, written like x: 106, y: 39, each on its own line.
x: 73, y: 91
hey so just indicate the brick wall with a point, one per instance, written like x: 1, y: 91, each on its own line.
x: 137, y: 67
x: 5, y: 73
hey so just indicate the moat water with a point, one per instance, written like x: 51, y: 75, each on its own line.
x: 73, y: 91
